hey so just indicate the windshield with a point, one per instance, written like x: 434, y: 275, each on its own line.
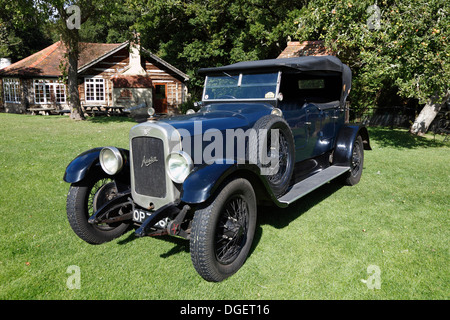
x: 241, y: 86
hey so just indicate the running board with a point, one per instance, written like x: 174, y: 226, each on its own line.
x: 312, y: 183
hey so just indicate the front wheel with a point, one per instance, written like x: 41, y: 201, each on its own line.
x: 84, y: 199
x: 222, y: 233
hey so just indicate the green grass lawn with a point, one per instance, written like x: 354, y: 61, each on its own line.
x: 396, y: 218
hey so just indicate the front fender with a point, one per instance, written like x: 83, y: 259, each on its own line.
x: 201, y: 184
x: 79, y: 167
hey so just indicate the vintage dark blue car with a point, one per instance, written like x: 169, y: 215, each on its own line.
x: 268, y: 132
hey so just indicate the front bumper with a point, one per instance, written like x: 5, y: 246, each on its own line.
x: 168, y: 219
x: 148, y: 226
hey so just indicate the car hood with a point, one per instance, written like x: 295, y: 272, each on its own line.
x: 220, y: 117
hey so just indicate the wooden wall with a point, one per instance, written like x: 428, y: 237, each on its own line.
x: 118, y: 62
x: 115, y: 64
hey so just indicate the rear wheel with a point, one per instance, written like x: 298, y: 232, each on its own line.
x: 356, y: 163
x: 84, y: 199
x: 222, y: 233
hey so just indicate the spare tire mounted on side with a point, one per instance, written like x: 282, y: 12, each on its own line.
x: 275, y: 161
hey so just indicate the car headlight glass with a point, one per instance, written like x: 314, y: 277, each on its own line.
x: 111, y: 160
x: 179, y: 165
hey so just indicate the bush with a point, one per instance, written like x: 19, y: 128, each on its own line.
x: 189, y: 104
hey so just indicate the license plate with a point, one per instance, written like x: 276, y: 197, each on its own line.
x: 140, y: 215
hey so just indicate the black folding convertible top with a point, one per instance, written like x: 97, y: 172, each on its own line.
x: 307, y: 64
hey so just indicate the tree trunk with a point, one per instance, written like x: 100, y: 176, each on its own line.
x: 427, y: 115
x: 72, y: 80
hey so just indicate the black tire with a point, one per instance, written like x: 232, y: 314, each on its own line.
x: 356, y: 163
x: 222, y: 233
x: 83, y: 199
x: 279, y: 182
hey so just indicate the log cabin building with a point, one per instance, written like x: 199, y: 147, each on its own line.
x: 110, y: 76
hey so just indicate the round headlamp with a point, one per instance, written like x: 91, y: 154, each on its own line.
x: 179, y: 165
x: 111, y: 160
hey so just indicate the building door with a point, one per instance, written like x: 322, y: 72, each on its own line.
x: 160, y: 98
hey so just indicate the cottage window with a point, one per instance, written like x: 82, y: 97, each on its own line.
x: 49, y: 91
x: 11, y: 90
x: 94, y: 89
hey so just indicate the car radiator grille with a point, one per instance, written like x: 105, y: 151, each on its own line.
x: 149, y: 166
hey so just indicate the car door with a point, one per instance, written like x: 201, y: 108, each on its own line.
x: 327, y: 130
x: 329, y: 114
x: 296, y: 116
x: 313, y: 128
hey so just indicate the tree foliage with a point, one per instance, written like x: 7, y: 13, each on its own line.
x: 199, y: 33
x: 68, y: 16
x: 22, y: 29
x: 114, y: 25
x: 388, y: 44
x: 392, y: 47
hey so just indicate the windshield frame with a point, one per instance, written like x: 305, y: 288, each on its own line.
x: 274, y: 99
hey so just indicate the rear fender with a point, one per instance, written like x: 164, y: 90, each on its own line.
x: 344, y: 143
x: 88, y: 161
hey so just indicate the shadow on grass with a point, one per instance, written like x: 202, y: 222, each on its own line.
x: 274, y: 216
x: 397, y: 138
x: 181, y: 245
x: 280, y: 218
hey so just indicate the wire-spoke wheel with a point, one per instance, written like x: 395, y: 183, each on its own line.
x: 356, y: 163
x: 276, y: 151
x: 283, y: 157
x: 84, y: 199
x: 232, y: 230
x: 222, y: 233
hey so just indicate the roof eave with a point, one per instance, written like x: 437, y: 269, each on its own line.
x: 166, y: 64
x: 95, y: 61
